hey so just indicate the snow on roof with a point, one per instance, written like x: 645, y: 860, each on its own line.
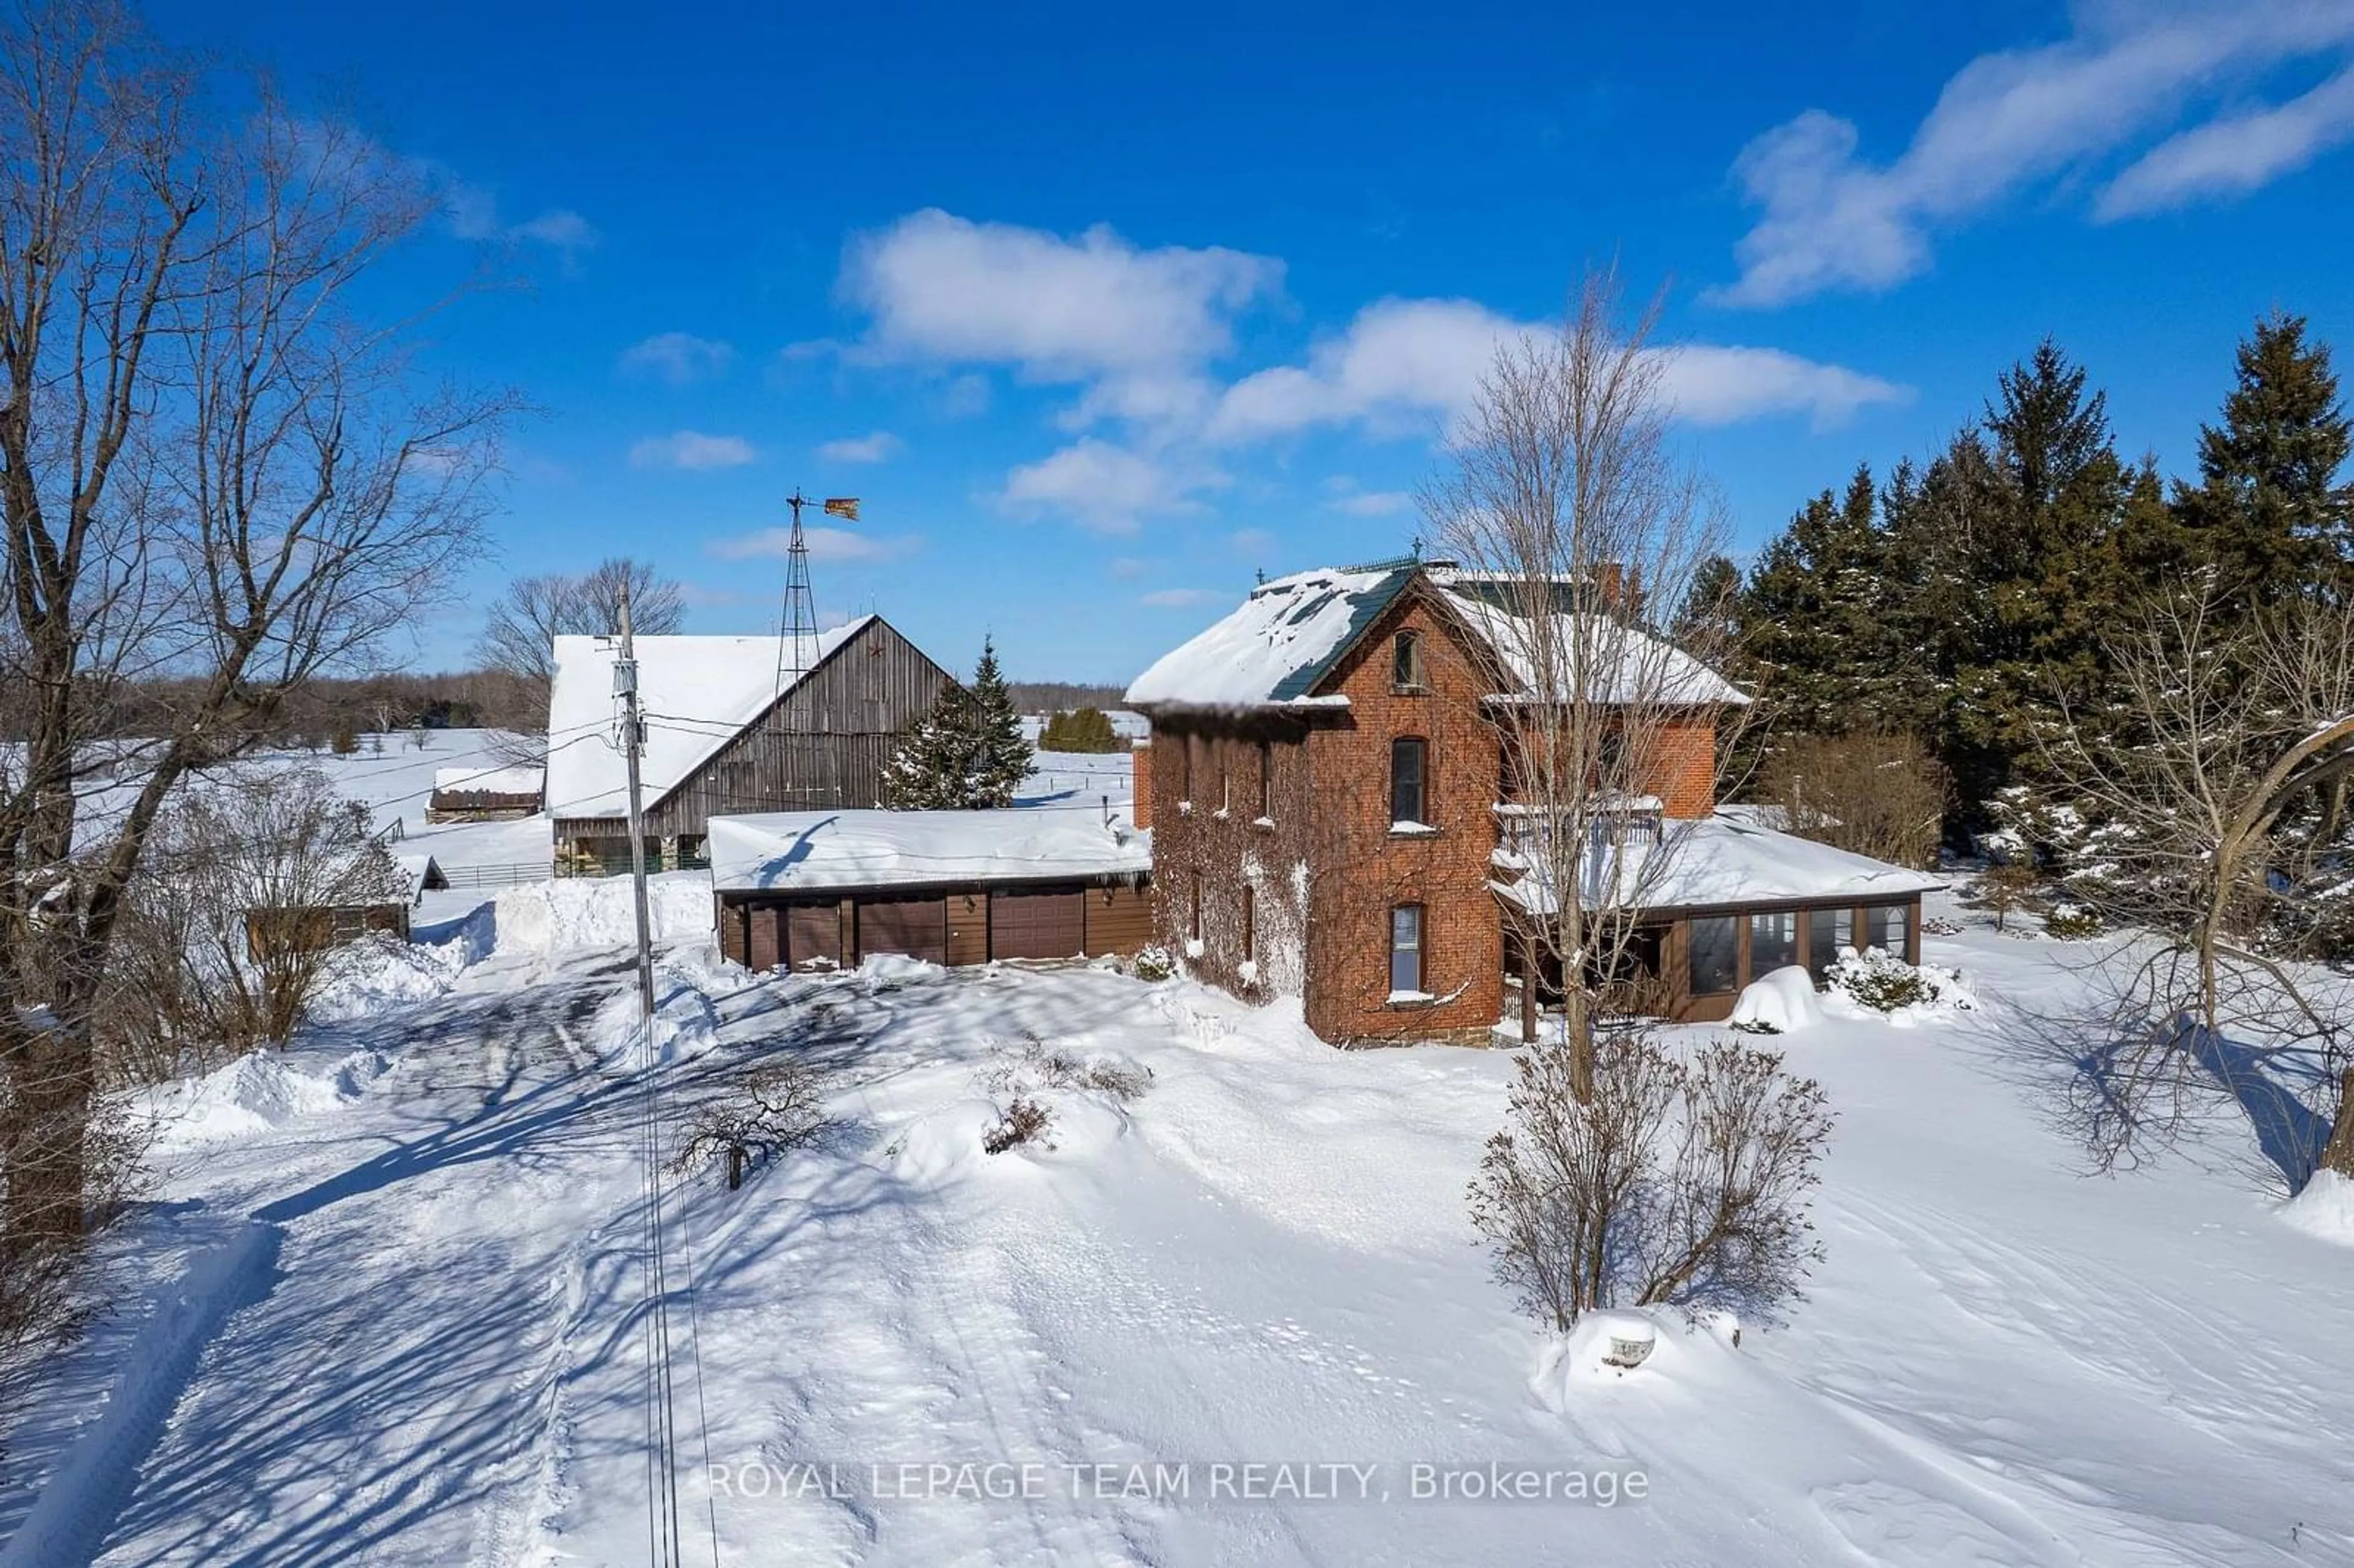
x: 1732, y: 858
x: 486, y: 780
x: 697, y: 693
x: 832, y: 850
x: 1624, y: 663
x: 1289, y: 634
x: 1277, y: 645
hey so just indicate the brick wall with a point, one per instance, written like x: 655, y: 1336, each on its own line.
x: 1214, y: 834
x: 1139, y: 778
x: 1687, y: 765
x: 1361, y: 869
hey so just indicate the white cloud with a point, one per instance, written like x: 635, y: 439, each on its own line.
x: 2012, y: 119
x: 1405, y: 364
x: 1401, y: 361
x: 875, y: 448
x: 1182, y: 599
x: 1372, y: 504
x: 1105, y: 488
x: 2235, y: 154
x: 824, y: 545
x: 691, y: 450
x: 678, y: 357
x: 1132, y: 325
x: 1713, y: 385
x: 473, y: 214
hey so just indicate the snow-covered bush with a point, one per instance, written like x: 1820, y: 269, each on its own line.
x: 1154, y: 963
x: 1777, y: 1003
x: 2073, y: 923
x: 1037, y: 1068
x: 1677, y: 1183
x: 1025, y: 1121
x: 1886, y: 983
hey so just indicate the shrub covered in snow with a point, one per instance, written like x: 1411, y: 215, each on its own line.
x: 1886, y: 983
x: 1779, y: 1002
x: 2073, y: 923
x: 1153, y: 963
x: 1025, y: 1121
x: 1038, y: 1067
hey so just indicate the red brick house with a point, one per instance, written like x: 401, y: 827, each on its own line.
x: 1323, y: 786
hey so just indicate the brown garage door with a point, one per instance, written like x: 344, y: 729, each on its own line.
x: 1037, y: 925
x: 915, y: 926
x: 813, y: 933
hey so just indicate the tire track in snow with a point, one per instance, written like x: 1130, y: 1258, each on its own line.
x: 68, y: 1523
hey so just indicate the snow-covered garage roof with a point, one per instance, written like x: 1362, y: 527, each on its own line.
x: 697, y: 693
x: 827, y: 852
x: 1732, y: 858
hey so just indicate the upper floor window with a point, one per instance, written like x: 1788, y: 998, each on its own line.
x: 1405, y: 663
x: 1409, y: 781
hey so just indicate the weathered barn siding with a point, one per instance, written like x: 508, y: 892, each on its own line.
x: 825, y: 744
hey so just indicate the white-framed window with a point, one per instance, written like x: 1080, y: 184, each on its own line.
x: 1405, y: 950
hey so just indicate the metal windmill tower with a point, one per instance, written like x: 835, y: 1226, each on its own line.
x: 797, y: 633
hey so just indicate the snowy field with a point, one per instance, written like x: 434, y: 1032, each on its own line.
x: 379, y: 1309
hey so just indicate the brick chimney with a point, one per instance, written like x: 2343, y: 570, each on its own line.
x: 1139, y: 777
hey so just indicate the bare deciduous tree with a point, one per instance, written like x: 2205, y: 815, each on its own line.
x: 2230, y: 723
x: 520, y: 630
x: 230, y: 934
x: 1876, y: 792
x: 1572, y: 518
x: 219, y: 463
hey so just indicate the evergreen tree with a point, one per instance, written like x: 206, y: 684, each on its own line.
x: 2269, y: 512
x: 1002, y: 758
x: 966, y: 754
x: 1086, y: 730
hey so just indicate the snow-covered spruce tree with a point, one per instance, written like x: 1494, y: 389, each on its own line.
x: 966, y: 754
x: 1000, y: 756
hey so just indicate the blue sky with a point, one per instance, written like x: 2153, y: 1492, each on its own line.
x: 1098, y: 312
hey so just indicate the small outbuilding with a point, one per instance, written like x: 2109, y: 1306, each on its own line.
x: 371, y: 890
x: 485, y: 794
x: 827, y: 889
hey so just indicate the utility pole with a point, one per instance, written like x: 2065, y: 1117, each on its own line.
x: 633, y: 741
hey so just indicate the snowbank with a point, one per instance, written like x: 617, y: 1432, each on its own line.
x: 599, y: 912
x: 259, y: 1092
x: 1779, y: 1002
x: 2325, y: 1209
x: 380, y: 971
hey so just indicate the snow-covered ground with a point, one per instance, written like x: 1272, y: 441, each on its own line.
x: 382, y: 1306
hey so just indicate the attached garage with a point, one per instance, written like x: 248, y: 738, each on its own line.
x: 1027, y: 923
x: 917, y: 927
x: 814, y: 935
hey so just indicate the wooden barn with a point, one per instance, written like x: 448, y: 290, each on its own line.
x: 369, y: 891
x: 483, y: 795
x: 827, y: 889
x: 728, y: 732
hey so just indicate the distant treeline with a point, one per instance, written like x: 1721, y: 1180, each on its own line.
x: 1062, y: 697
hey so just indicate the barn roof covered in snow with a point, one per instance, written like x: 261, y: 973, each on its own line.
x: 1282, y: 642
x: 697, y: 693
x: 832, y: 852
x: 1730, y: 858
x: 487, y: 781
